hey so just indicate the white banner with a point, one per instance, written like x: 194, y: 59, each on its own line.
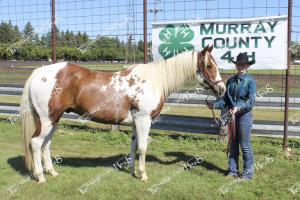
x: 264, y: 39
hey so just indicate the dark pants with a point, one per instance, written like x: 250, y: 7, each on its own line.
x: 244, y: 123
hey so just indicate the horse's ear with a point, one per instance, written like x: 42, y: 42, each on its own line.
x: 210, y: 48
x: 204, y: 50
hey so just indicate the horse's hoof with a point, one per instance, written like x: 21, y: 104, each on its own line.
x: 41, y: 180
x: 54, y: 173
x: 144, y: 178
x: 40, y: 177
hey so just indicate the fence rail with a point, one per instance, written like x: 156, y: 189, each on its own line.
x: 190, y: 98
x: 199, y: 125
x: 176, y: 122
x: 119, y: 31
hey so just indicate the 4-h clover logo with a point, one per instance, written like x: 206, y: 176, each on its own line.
x: 175, y: 40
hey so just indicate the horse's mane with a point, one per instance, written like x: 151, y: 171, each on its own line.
x: 168, y: 75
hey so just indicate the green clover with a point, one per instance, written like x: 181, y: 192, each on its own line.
x: 175, y: 40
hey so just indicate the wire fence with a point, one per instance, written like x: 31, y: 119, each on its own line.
x: 79, y: 21
x: 123, y: 19
x: 112, y: 31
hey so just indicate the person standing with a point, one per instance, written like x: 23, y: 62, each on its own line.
x: 240, y: 100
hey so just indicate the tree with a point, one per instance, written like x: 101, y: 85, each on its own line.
x: 81, y: 38
x: 62, y: 39
x: 8, y: 33
x: 140, y: 46
x: 16, y: 33
x: 39, y: 47
x: 45, y: 41
x: 295, y: 50
x: 28, y: 31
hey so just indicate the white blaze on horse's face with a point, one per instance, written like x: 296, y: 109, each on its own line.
x: 208, y: 73
x: 220, y: 86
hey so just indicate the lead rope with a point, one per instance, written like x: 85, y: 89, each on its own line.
x: 231, y: 133
x: 213, y: 113
x: 231, y: 126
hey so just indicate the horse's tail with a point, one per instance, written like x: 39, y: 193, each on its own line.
x: 28, y: 121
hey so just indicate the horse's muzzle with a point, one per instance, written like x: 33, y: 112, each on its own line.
x: 221, y: 89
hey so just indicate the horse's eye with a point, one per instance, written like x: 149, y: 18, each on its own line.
x: 209, y: 66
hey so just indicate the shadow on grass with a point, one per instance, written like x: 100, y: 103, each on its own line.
x: 181, y: 156
x: 174, y: 136
x: 18, y: 164
x: 91, y: 129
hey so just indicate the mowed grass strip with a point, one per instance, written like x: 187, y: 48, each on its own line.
x: 87, y: 152
x: 10, y: 99
x: 18, y: 75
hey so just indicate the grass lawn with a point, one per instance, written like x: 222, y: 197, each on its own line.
x: 19, y: 74
x: 14, y: 76
x: 105, y: 67
x: 10, y: 99
x: 85, y: 153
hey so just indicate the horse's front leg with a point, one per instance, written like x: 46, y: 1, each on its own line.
x: 133, y: 149
x: 142, y: 129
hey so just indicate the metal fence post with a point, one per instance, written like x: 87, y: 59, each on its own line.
x: 145, y: 31
x: 287, y: 76
x: 53, y: 32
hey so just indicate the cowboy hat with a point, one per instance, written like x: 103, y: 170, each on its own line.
x: 242, y: 58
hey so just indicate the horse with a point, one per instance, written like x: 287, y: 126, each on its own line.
x: 134, y: 95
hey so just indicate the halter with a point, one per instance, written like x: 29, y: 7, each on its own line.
x: 201, y: 73
x: 207, y: 79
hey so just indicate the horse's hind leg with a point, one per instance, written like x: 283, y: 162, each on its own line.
x: 37, y: 142
x: 46, y: 155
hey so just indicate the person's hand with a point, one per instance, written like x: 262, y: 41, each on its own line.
x: 234, y: 110
x: 210, y: 105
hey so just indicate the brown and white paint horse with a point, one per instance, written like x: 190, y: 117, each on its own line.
x: 132, y: 96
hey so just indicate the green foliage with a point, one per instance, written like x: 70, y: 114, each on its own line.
x: 9, y: 33
x: 29, y: 33
x: 28, y: 45
x: 295, y: 50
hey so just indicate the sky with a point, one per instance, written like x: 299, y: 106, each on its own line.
x: 123, y: 17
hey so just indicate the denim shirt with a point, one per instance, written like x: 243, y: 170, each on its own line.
x: 240, y: 93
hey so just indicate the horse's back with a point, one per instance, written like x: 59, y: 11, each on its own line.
x: 56, y: 74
